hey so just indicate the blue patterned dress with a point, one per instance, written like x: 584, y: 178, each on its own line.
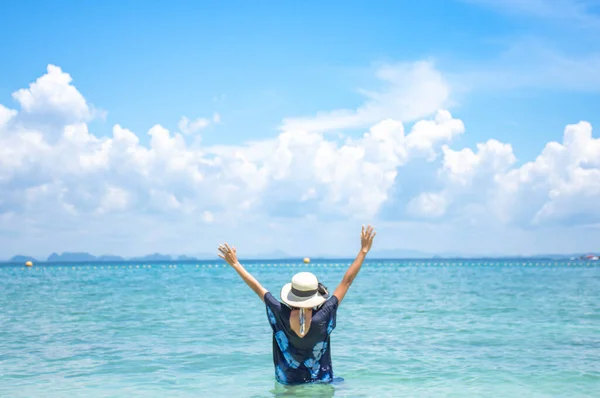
x: 302, y: 360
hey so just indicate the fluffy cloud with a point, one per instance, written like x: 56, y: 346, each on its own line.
x: 348, y: 179
x: 6, y: 115
x: 55, y: 173
x: 411, y: 91
x: 187, y: 126
x: 562, y: 185
x: 565, y: 176
x: 53, y: 101
x: 428, y: 204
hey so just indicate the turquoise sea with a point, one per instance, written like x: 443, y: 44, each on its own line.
x: 406, y: 329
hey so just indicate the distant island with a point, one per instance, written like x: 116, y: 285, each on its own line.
x: 71, y: 257
x: 22, y: 259
x: 84, y: 257
x: 68, y: 257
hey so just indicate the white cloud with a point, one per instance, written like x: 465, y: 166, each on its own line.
x: 311, y: 193
x: 468, y: 184
x: 188, y: 127
x: 5, y: 116
x: 461, y: 166
x: 565, y: 176
x: 428, y: 205
x: 411, y: 91
x: 53, y: 96
x: 427, y: 134
x: 164, y: 201
x: 114, y: 199
x: 59, y: 178
x: 351, y: 179
x: 562, y: 185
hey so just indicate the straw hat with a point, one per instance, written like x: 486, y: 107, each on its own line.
x: 303, y: 291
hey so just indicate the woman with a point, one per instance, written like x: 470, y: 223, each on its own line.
x: 303, y: 323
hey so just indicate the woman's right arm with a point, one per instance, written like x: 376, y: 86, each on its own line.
x: 229, y: 254
x: 366, y: 240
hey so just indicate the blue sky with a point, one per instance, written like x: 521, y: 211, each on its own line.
x: 253, y: 74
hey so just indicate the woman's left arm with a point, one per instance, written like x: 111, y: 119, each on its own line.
x: 229, y: 254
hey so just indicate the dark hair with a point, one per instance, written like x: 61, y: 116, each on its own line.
x: 322, y: 289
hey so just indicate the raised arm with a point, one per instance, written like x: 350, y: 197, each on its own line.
x: 366, y: 241
x: 229, y: 254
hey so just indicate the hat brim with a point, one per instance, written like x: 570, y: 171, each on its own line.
x: 300, y: 302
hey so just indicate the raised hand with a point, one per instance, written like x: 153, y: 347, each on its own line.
x: 366, y: 241
x: 228, y: 254
x: 366, y: 238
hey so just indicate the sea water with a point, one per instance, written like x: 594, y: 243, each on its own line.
x: 406, y: 329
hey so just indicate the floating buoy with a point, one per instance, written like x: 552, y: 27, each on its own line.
x: 29, y: 264
x: 306, y: 260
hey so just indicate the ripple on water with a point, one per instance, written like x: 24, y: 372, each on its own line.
x: 406, y: 328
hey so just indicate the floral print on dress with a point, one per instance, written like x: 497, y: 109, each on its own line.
x: 280, y: 375
x: 284, y: 344
x: 282, y: 340
x: 319, y: 350
x: 330, y: 326
x: 301, y: 360
x: 292, y: 363
x: 272, y: 319
x: 313, y: 366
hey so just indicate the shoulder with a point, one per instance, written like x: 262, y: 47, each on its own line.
x: 271, y: 301
x: 276, y: 311
x: 331, y: 303
x: 329, y: 313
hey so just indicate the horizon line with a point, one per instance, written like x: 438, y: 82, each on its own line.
x: 311, y: 260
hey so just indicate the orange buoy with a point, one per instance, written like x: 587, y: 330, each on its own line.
x: 29, y: 264
x: 306, y: 260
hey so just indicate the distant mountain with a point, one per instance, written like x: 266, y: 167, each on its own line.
x: 82, y: 257
x: 278, y: 254
x: 87, y: 257
x: 22, y: 259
